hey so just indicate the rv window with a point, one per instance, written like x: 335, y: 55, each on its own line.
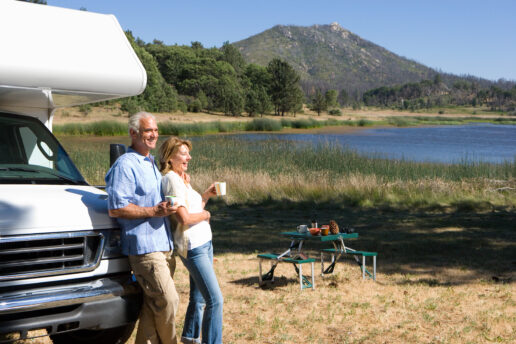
x: 29, y: 153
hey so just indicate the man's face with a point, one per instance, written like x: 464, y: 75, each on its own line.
x: 146, y: 139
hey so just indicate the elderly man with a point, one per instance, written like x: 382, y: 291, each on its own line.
x: 135, y: 199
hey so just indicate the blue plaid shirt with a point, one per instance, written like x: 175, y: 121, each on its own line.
x: 135, y: 179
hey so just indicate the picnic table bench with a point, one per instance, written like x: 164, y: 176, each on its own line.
x: 304, y: 282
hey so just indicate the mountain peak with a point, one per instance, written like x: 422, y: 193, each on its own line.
x: 331, y: 57
x: 336, y: 27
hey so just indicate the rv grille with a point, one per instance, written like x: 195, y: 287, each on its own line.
x: 49, y: 254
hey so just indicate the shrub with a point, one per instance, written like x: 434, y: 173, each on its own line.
x: 335, y: 112
x: 263, y: 124
x: 85, y: 109
x: 131, y: 106
x: 195, y: 106
x: 364, y: 123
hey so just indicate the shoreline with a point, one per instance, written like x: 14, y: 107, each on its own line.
x: 207, y: 128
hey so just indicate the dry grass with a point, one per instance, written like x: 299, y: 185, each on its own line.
x: 442, y: 278
x: 365, y: 190
x: 345, y: 309
x: 74, y: 115
x: 399, y: 308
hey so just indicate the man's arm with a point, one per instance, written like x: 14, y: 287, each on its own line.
x: 132, y: 211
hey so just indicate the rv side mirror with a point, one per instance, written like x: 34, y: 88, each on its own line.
x: 115, y: 150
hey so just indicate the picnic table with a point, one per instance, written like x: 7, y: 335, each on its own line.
x: 295, y: 255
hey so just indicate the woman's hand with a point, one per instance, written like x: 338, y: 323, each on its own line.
x: 208, y: 193
x: 208, y: 215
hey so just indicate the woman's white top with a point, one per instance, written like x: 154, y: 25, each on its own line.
x: 173, y: 185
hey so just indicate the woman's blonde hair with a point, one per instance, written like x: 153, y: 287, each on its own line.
x: 169, y: 148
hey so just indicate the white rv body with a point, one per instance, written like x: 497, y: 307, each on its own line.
x: 60, y: 265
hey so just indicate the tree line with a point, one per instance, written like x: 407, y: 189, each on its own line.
x: 194, y: 78
x: 435, y: 93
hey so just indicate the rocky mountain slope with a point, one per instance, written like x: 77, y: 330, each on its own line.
x: 329, y: 56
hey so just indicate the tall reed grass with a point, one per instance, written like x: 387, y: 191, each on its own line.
x: 277, y: 170
x: 110, y: 128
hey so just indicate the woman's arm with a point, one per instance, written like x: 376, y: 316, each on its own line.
x: 185, y: 218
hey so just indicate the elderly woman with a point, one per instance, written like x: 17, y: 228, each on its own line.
x: 192, y: 240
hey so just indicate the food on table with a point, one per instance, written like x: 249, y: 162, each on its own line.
x: 334, y: 227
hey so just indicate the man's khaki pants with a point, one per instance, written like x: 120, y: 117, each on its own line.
x: 154, y: 272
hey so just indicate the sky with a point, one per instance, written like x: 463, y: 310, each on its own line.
x: 461, y: 37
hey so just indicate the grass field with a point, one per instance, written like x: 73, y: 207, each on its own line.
x: 445, y: 237
x: 443, y: 277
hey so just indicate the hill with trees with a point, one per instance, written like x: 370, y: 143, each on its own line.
x: 331, y: 57
x: 194, y: 78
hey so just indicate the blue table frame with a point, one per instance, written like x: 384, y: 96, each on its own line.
x: 339, y: 248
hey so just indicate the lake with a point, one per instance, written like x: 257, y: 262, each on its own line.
x: 449, y: 144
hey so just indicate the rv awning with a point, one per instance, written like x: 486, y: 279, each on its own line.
x: 53, y: 57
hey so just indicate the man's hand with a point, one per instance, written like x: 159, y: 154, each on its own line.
x: 165, y: 209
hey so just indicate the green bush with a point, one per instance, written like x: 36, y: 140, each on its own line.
x: 399, y: 121
x: 195, y: 106
x: 85, y: 109
x: 364, y: 123
x: 335, y: 112
x: 263, y: 124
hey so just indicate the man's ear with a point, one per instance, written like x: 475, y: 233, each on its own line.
x: 133, y: 133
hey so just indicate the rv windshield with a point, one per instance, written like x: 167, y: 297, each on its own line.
x: 30, y: 154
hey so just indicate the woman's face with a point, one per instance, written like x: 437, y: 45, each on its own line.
x: 180, y: 159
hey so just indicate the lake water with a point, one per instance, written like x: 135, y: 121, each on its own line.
x: 449, y: 144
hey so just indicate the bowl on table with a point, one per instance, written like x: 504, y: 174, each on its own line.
x: 315, y: 231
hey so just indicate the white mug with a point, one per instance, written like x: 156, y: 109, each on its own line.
x: 220, y: 187
x: 302, y: 228
x: 171, y: 199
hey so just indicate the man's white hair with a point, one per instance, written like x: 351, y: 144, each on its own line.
x: 134, y: 120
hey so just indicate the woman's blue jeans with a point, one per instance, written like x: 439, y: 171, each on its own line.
x: 205, y: 295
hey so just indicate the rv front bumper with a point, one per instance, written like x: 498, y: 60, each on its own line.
x: 98, y: 304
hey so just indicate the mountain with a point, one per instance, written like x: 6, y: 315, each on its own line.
x: 331, y: 57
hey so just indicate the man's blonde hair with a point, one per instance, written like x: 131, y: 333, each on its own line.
x: 169, y: 148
